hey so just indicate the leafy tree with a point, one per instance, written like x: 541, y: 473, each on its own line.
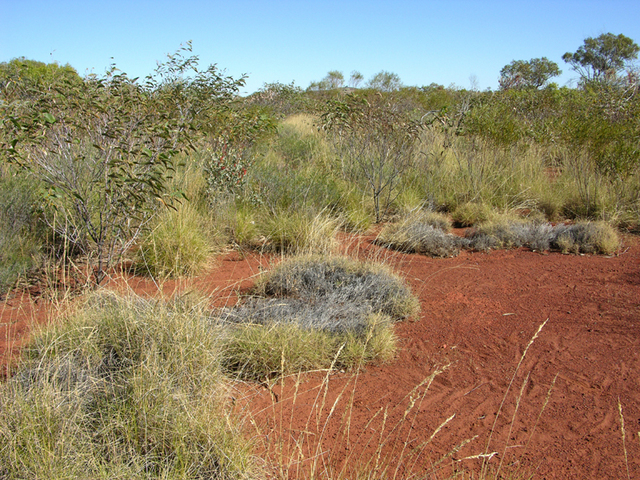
x: 600, y: 59
x: 196, y: 100
x: 21, y: 78
x: 356, y: 79
x: 534, y: 73
x: 385, y: 81
x: 334, y: 79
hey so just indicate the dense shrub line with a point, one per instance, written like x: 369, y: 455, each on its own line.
x: 284, y: 169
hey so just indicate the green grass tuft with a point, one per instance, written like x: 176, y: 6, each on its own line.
x: 259, y: 351
x: 179, y: 245
x: 293, y: 232
x: 469, y: 214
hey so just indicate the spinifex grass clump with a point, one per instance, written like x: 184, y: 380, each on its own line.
x: 586, y: 237
x: 126, y: 388
x: 312, y: 313
x: 293, y: 232
x: 469, y: 214
x: 344, y: 280
x: 179, y: 245
x: 512, y: 233
x: 423, y: 233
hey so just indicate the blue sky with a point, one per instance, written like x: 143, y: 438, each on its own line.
x: 446, y: 42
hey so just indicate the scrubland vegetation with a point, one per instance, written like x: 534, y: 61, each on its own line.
x: 168, y: 170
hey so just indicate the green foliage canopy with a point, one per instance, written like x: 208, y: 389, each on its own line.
x: 534, y: 73
x: 601, y: 59
x: 385, y: 81
x: 105, y: 147
x: 22, y: 79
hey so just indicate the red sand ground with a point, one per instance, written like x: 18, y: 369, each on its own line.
x: 479, y: 314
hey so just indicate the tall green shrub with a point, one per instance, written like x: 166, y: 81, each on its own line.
x: 105, y: 148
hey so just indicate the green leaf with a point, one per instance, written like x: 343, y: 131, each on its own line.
x: 48, y: 117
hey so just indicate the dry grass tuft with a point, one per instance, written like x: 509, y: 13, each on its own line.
x: 416, y: 235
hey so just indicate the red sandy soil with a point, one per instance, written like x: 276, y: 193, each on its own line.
x: 557, y: 416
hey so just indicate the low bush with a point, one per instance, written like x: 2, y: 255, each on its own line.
x: 416, y: 235
x: 586, y: 237
x: 511, y: 233
x: 344, y: 280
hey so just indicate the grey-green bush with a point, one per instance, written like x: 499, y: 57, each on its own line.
x: 583, y: 237
x: 586, y: 237
x: 344, y: 280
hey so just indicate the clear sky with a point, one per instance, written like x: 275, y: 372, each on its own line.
x: 446, y: 42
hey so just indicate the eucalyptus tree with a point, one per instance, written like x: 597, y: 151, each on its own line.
x: 534, y: 73
x: 601, y: 59
x: 376, y: 142
x: 385, y: 81
x: 333, y: 80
